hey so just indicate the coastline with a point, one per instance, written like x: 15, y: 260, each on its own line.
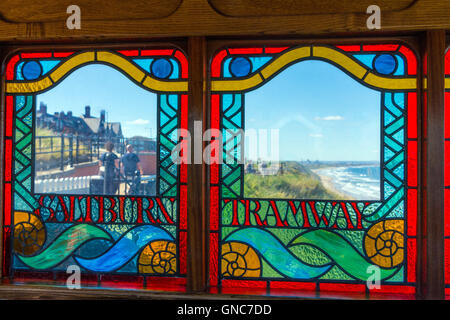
x: 327, y: 182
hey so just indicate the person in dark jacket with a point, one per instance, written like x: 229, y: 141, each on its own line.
x: 109, y: 160
x: 132, y: 169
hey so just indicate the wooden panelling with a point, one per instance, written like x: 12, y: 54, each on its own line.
x: 51, y: 11
x: 432, y: 224
x: 199, y: 18
x: 253, y: 8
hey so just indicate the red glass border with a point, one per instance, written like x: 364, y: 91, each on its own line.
x: 447, y: 179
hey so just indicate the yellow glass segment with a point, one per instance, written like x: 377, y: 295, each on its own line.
x: 28, y: 87
x: 72, y: 63
x: 159, y: 257
x: 384, y: 243
x: 29, y: 233
x: 389, y: 83
x: 285, y: 59
x: 165, y: 86
x: 340, y: 59
x: 121, y: 63
x: 447, y: 83
x: 236, y: 85
x: 239, y: 260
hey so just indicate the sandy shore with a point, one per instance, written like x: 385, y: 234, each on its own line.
x: 328, y: 184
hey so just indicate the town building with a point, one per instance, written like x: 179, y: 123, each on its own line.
x: 85, y: 125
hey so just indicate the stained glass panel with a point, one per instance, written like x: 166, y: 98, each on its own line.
x: 118, y: 238
x: 267, y: 244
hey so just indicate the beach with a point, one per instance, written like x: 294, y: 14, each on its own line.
x: 327, y: 182
x: 351, y: 182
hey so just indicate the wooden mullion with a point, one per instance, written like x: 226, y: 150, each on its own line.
x: 196, y: 186
x: 431, y: 269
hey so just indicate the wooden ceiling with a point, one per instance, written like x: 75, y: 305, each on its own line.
x: 46, y: 19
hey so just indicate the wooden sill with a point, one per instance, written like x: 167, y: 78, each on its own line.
x: 49, y: 292
x: 52, y: 292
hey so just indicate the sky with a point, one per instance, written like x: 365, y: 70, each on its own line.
x: 103, y: 87
x: 321, y: 114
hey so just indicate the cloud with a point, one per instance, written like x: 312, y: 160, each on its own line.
x: 329, y: 118
x: 316, y: 135
x: 138, y: 122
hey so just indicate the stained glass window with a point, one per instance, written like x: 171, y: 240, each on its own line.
x: 59, y: 208
x: 303, y: 241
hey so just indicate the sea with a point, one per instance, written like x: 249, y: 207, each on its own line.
x: 358, y: 182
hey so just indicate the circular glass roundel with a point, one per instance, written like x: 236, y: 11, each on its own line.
x: 161, y: 68
x: 240, y: 67
x: 31, y: 70
x: 385, y: 64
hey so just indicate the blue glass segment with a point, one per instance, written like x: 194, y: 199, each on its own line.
x: 19, y: 75
x: 227, y: 101
x: 400, y: 171
x: 258, y: 62
x: 366, y: 59
x: 240, y: 67
x: 161, y: 68
x: 226, y: 68
x: 31, y: 70
x: 48, y: 65
x: 389, y: 103
x: 176, y: 70
x: 144, y: 63
x: 399, y: 136
x: 400, y: 66
x: 388, y: 154
x: 399, y: 99
x: 385, y: 64
x: 388, y: 118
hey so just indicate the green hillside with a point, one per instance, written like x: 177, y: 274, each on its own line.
x: 296, y: 181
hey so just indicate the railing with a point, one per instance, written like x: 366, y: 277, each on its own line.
x: 60, y: 151
x: 83, y: 185
x: 73, y: 185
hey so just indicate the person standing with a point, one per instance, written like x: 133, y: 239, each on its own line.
x: 130, y: 162
x: 132, y: 168
x: 109, y: 161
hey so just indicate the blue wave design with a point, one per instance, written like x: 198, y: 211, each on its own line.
x: 273, y: 251
x: 64, y: 245
x: 124, y: 249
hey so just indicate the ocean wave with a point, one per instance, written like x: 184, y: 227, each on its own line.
x: 359, y: 182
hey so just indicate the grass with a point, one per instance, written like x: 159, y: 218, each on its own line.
x: 296, y: 182
x: 46, y: 146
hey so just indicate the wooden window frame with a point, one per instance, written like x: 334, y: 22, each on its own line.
x: 430, y: 266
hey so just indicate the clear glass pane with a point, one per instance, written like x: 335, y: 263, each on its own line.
x: 96, y: 134
x: 318, y: 136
